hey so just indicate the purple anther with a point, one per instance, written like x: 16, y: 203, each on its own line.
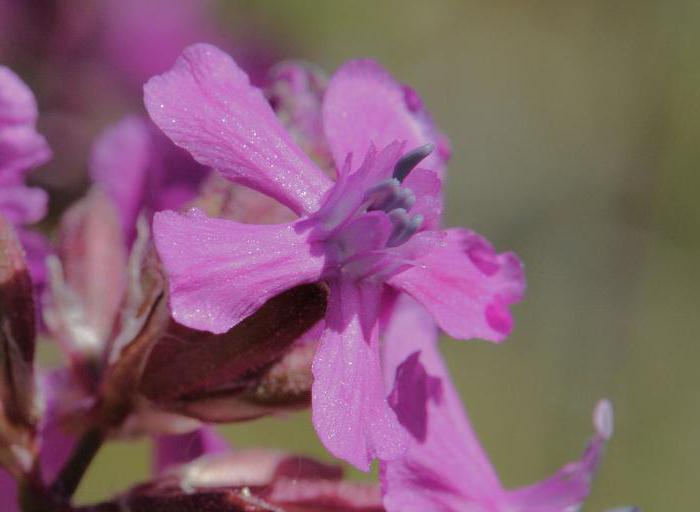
x: 410, y: 160
x: 404, y: 227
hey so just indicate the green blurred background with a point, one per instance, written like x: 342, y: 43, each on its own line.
x: 576, y: 135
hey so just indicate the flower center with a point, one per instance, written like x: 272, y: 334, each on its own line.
x: 350, y: 229
x: 396, y: 200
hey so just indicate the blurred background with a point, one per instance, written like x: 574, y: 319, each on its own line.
x: 575, y: 127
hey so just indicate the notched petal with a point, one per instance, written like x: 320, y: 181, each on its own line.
x: 206, y: 105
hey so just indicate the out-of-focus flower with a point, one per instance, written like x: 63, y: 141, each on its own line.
x: 295, y: 92
x: 448, y: 470
x: 106, y: 50
x: 21, y: 149
x: 140, y: 170
x: 21, y: 146
x: 376, y: 225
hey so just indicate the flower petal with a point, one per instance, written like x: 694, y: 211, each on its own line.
x: 466, y: 286
x: 449, y: 470
x: 206, y: 105
x: 364, y: 105
x: 221, y: 271
x: 118, y: 165
x: 569, y: 487
x: 448, y: 467
x: 350, y: 411
x: 17, y: 103
x: 23, y: 205
x: 56, y: 444
x: 36, y: 249
x: 139, y: 168
x: 21, y: 147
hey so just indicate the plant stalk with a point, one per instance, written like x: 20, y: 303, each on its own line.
x: 67, y: 481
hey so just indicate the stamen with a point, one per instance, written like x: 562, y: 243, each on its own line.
x: 404, y: 227
x: 410, y: 160
x: 382, y: 194
x: 389, y: 195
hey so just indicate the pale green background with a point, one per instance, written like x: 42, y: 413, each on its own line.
x: 576, y: 134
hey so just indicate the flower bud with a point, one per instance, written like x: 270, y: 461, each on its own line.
x: 18, y: 408
x: 251, y: 370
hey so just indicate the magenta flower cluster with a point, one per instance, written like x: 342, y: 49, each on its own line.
x: 246, y: 252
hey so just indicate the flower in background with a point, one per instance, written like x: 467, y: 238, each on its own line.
x: 141, y: 170
x: 448, y: 470
x: 368, y: 235
x: 22, y: 148
x: 105, y: 51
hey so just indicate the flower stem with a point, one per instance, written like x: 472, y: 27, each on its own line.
x: 72, y: 473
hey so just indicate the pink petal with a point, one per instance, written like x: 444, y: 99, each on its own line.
x: 466, y: 286
x: 221, y: 271
x: 36, y: 249
x: 350, y: 411
x: 364, y: 105
x: 56, y: 444
x: 570, y: 486
x: 23, y: 205
x: 138, y: 48
x: 141, y: 169
x: 448, y: 468
x: 173, y: 450
x: 21, y: 147
x: 17, y: 103
x: 206, y: 105
x: 118, y: 164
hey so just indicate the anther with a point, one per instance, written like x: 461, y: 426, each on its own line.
x: 382, y: 194
x: 410, y: 160
x: 404, y: 227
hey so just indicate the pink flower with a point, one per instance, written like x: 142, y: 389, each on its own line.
x: 447, y: 470
x: 372, y: 231
x: 21, y: 149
